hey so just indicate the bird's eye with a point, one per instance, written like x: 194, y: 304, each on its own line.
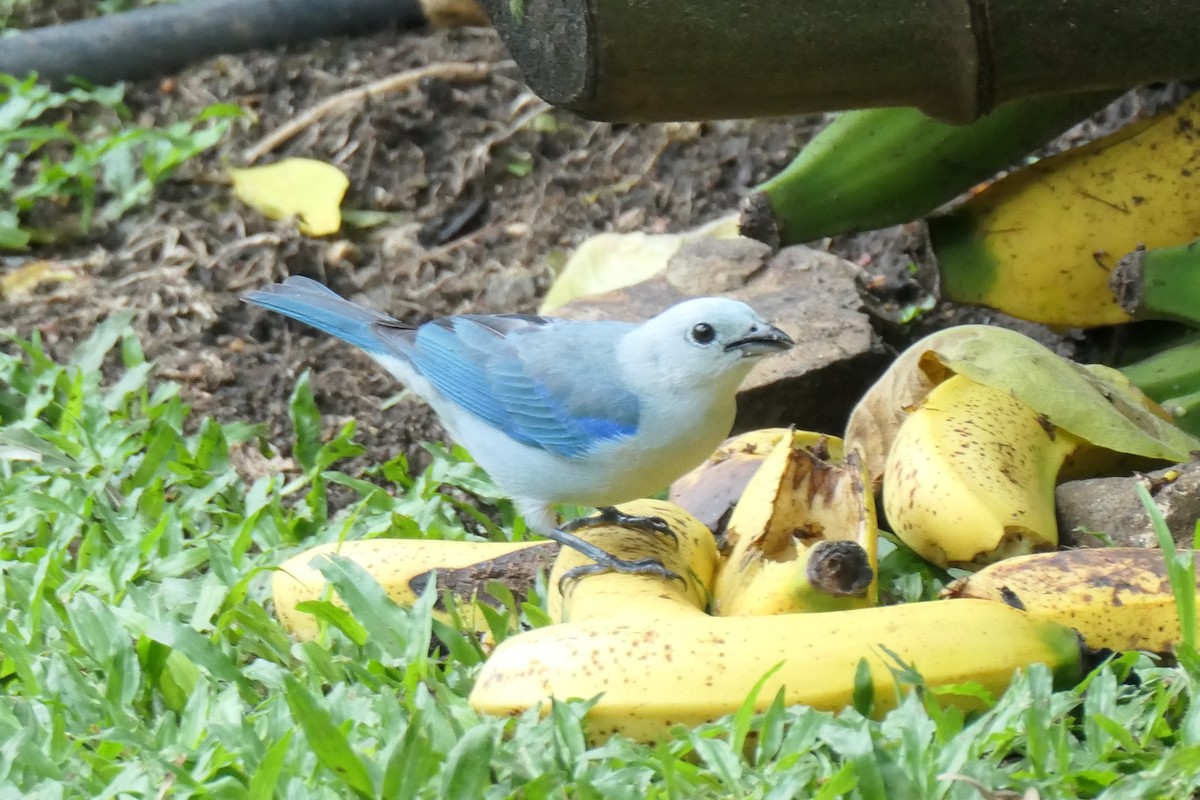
x: 703, y: 333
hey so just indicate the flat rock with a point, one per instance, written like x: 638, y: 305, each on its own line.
x: 808, y: 293
x: 1098, y: 511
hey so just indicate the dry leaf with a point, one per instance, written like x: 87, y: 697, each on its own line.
x: 610, y: 261
x: 301, y: 187
x: 27, y: 277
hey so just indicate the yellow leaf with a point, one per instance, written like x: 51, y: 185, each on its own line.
x: 301, y: 187
x: 27, y: 277
x: 610, y: 261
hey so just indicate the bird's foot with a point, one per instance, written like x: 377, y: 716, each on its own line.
x: 605, y: 561
x: 612, y: 516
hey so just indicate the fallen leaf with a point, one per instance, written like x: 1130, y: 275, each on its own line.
x: 27, y: 277
x: 609, y: 261
x: 305, y: 188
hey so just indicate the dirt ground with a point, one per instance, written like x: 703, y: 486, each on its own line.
x: 485, y: 194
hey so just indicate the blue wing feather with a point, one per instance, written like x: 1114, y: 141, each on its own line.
x: 527, y: 382
x: 519, y: 373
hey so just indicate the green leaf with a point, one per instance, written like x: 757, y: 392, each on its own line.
x: 306, y: 422
x: 467, y: 770
x: 266, y: 777
x: 326, y: 739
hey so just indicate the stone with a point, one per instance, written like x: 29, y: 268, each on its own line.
x: 1096, y: 512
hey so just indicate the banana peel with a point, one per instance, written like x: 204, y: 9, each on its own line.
x: 1042, y: 243
x: 970, y: 429
x: 1097, y: 404
x: 803, y: 535
x: 1172, y: 378
x: 690, y: 551
x: 970, y: 476
x: 710, y: 491
x: 403, y: 567
x: 647, y: 675
x: 1118, y: 598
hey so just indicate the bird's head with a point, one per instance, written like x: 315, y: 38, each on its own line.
x: 710, y: 339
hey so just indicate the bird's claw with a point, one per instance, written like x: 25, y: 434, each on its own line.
x: 609, y: 515
x: 641, y: 566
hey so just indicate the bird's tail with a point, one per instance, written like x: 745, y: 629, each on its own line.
x: 315, y: 304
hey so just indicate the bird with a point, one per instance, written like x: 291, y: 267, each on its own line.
x: 560, y: 411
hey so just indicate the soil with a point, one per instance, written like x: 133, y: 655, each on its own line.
x: 480, y: 208
x: 485, y: 192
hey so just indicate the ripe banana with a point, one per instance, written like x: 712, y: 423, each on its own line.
x: 1041, y: 243
x: 401, y: 566
x: 802, y: 537
x: 650, y: 674
x: 970, y: 476
x: 1118, y: 598
x: 878, y: 167
x: 711, y: 490
x: 690, y: 551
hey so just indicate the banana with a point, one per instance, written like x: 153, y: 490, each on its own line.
x: 688, y: 668
x: 970, y: 476
x: 711, y: 490
x: 401, y: 567
x: 878, y: 167
x: 689, y: 551
x: 1172, y: 377
x: 1042, y: 243
x: 802, y: 537
x: 1118, y: 598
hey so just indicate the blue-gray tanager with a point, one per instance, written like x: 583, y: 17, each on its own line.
x: 563, y: 411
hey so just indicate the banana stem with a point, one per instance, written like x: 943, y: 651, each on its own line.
x: 1163, y: 283
x: 840, y: 569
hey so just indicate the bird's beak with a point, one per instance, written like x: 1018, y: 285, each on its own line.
x: 767, y: 339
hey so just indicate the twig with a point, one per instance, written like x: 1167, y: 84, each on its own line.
x: 455, y: 71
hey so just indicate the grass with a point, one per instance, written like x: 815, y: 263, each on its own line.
x: 140, y: 657
x: 78, y: 155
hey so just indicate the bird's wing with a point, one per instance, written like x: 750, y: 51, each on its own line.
x: 548, y: 383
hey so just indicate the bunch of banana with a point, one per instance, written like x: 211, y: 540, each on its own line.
x: 802, y: 536
x: 1118, y: 598
x: 879, y: 167
x: 403, y: 567
x: 646, y: 649
x: 1041, y: 244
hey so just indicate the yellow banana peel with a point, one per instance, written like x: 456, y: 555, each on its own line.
x: 1042, y: 243
x: 711, y: 490
x: 970, y: 476
x: 400, y: 566
x: 1118, y: 598
x: 798, y: 502
x: 689, y: 668
x: 689, y: 551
